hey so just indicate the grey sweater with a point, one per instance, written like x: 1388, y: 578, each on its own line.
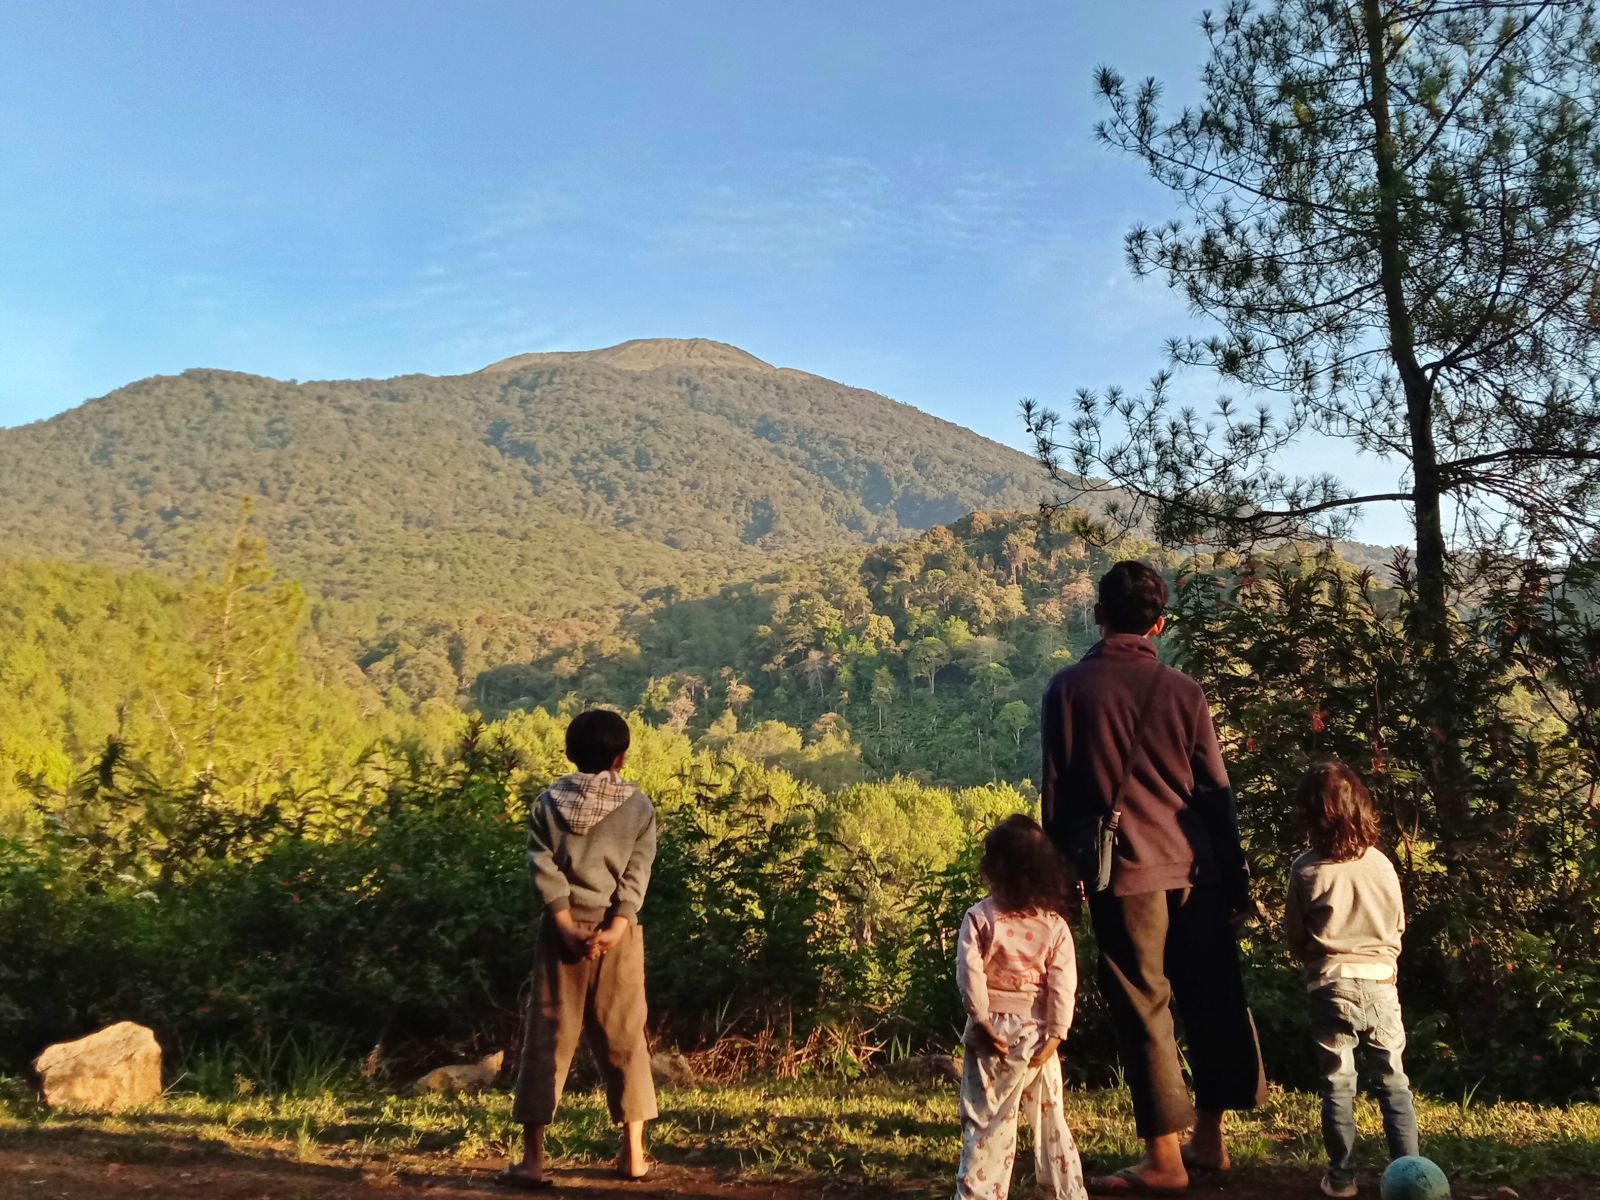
x: 600, y: 873
x: 1344, y: 913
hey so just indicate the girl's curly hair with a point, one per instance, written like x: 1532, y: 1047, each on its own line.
x: 1338, y: 811
x: 1023, y: 868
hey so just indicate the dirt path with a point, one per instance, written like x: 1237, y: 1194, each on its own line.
x: 54, y: 1169
x: 43, y: 1174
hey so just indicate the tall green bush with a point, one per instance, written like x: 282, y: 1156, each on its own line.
x: 396, y: 909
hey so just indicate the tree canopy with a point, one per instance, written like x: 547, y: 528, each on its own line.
x: 1393, y: 215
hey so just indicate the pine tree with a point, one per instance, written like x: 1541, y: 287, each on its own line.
x: 240, y: 674
x: 1393, y: 215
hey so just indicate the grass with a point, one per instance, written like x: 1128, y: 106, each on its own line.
x: 298, y: 1067
x: 874, y: 1132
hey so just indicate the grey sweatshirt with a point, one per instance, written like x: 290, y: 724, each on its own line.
x: 597, y: 868
x: 1344, y: 914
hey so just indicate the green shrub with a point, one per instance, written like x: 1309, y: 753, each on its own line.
x: 262, y: 936
x: 1498, y: 977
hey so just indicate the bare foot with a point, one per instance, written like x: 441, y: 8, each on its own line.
x: 1206, y: 1148
x: 631, y: 1160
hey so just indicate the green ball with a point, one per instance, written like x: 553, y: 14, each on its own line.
x: 1414, y: 1178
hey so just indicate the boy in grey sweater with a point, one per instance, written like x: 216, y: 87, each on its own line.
x: 1343, y: 919
x: 591, y: 844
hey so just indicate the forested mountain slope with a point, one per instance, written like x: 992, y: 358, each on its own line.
x: 545, y: 484
x: 922, y: 656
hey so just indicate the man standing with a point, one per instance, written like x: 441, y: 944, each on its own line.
x: 1123, y: 733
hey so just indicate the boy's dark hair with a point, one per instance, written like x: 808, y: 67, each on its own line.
x: 595, y: 738
x: 1023, y: 868
x: 1132, y: 597
x: 1338, y: 811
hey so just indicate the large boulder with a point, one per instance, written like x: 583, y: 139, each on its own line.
x: 118, y: 1067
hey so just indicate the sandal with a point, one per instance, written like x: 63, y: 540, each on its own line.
x: 1128, y: 1182
x: 518, y: 1180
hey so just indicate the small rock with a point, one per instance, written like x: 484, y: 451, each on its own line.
x: 925, y: 1069
x: 671, y: 1067
x: 461, y: 1078
x: 118, y: 1067
x: 374, y: 1177
x: 1506, y: 1193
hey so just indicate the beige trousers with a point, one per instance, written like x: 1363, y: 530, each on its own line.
x: 603, y: 999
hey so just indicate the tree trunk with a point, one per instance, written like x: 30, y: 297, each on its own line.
x: 1432, y: 559
x: 219, y: 665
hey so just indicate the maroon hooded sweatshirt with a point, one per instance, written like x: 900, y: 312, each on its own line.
x: 1179, y: 827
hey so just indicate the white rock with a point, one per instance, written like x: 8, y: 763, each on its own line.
x: 461, y: 1078
x: 118, y: 1067
x: 671, y: 1067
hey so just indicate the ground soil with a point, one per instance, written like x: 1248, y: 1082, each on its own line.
x: 96, y: 1168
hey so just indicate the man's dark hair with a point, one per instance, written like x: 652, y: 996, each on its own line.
x: 595, y: 738
x: 1132, y: 597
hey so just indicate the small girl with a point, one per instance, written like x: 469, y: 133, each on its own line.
x: 1018, y: 974
x: 1343, y: 919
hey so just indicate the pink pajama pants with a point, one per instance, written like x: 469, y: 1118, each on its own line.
x: 993, y: 1091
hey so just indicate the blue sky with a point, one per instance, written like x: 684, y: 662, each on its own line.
x: 903, y: 196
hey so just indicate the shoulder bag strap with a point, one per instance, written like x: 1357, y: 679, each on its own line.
x: 1137, y: 745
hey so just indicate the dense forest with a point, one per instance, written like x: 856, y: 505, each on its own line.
x: 284, y: 665
x: 923, y: 658
x: 214, y: 814
x: 446, y: 527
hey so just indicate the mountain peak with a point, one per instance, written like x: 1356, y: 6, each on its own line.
x: 643, y: 354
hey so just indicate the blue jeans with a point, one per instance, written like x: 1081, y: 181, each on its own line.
x: 1361, y: 1013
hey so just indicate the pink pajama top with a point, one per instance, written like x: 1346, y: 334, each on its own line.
x: 1023, y: 964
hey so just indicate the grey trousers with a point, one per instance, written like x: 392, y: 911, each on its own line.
x: 1361, y: 1017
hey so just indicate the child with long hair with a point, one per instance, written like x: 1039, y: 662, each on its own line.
x: 1017, y: 970
x: 1343, y: 919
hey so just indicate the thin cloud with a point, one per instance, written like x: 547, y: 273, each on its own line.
x: 808, y: 210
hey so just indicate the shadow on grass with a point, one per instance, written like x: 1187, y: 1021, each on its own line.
x: 78, y: 1163
x: 695, y: 1137
x: 211, y: 1130
x: 876, y: 1140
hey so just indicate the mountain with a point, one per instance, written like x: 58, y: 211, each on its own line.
x: 644, y: 354
x: 544, y: 484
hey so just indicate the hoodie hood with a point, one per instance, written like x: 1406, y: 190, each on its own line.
x: 585, y: 800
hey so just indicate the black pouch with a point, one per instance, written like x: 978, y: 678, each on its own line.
x: 1090, y: 842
